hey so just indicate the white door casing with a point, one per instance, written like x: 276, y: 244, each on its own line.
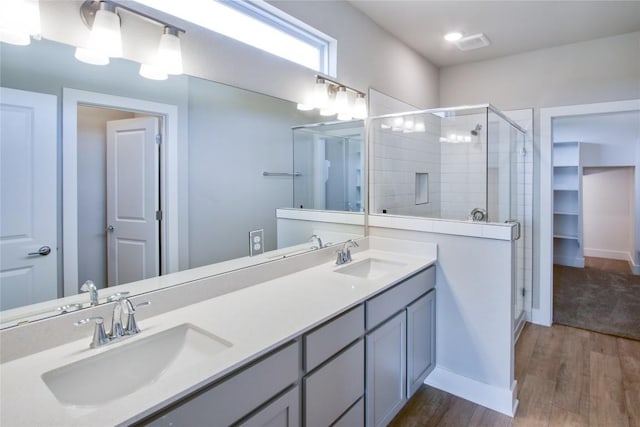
x: 132, y: 200
x: 28, y: 211
x: 71, y: 98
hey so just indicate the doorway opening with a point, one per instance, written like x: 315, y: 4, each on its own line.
x: 165, y: 180
x: 594, y: 154
x: 119, y: 161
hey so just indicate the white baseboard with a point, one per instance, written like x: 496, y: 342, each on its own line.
x: 502, y: 400
x: 609, y: 254
x: 540, y: 317
x: 569, y: 261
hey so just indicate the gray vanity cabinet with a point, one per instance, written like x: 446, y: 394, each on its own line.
x: 400, y: 345
x: 421, y: 341
x: 386, y: 370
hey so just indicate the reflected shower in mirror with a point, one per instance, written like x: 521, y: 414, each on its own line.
x: 329, y: 160
x: 207, y: 186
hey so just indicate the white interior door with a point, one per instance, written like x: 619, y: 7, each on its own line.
x: 132, y: 200
x: 28, y: 214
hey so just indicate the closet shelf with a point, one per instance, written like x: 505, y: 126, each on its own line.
x: 565, y: 237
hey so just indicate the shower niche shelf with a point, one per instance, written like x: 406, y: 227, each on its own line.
x: 567, y: 204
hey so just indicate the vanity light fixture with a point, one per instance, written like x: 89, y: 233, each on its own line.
x: 331, y: 98
x: 105, y: 42
x: 106, y: 38
x: 19, y: 21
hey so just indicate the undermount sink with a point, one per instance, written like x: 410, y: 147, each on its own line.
x: 370, y: 268
x: 123, y: 370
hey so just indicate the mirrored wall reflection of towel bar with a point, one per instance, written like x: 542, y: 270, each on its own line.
x: 281, y: 174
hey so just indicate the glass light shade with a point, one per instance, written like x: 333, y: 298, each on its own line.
x: 150, y: 71
x: 409, y: 124
x: 105, y: 34
x: 304, y: 107
x: 307, y: 102
x: 419, y: 126
x: 18, y: 38
x: 19, y: 20
x: 170, y: 54
x: 360, y: 107
x: 344, y: 116
x: 327, y: 111
x: 320, y: 94
x: 398, y: 123
x: 91, y: 57
x: 342, y: 101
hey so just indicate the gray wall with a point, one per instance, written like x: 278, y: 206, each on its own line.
x: 601, y: 70
x: 233, y: 137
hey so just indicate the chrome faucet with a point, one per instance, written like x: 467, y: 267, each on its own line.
x: 119, y: 328
x: 318, y: 241
x: 344, y: 254
x: 90, y: 287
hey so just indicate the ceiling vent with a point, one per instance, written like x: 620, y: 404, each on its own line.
x: 475, y: 41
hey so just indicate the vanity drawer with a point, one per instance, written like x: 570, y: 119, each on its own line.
x: 235, y: 397
x: 397, y: 298
x: 333, y: 336
x: 332, y: 389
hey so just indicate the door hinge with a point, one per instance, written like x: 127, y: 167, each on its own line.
x: 158, y: 215
x: 522, y: 291
x: 158, y: 139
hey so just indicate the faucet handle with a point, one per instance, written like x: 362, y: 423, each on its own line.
x: 100, y: 337
x: 132, y: 325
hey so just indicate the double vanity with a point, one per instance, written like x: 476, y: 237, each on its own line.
x: 328, y: 344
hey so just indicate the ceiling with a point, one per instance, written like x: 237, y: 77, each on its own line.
x: 512, y: 26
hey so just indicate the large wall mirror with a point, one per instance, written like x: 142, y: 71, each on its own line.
x: 221, y: 167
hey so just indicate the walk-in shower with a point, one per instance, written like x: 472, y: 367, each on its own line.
x: 462, y: 164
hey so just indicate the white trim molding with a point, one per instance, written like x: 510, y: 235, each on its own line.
x: 499, y: 399
x: 543, y: 315
x: 168, y: 186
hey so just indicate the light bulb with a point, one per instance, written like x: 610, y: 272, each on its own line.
x: 320, y: 94
x: 360, y: 107
x: 342, y: 102
x: 169, y: 52
x: 91, y: 57
x: 344, y: 116
x: 153, y: 72
x: 106, y: 38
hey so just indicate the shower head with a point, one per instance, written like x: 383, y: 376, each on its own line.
x: 476, y: 130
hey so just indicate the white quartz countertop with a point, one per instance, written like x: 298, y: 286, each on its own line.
x: 255, y: 320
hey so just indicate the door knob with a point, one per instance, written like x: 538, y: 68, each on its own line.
x: 44, y: 250
x: 109, y: 228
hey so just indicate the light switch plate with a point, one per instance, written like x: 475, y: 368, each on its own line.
x: 256, y: 242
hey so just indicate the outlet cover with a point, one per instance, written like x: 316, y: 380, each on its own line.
x: 256, y: 242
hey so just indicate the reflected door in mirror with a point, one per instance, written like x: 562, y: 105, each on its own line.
x: 28, y: 246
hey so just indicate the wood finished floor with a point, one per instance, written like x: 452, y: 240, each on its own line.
x: 566, y: 377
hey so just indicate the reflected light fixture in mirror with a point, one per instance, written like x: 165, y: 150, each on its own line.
x: 332, y: 98
x: 106, y: 38
x: 19, y: 20
x: 168, y: 58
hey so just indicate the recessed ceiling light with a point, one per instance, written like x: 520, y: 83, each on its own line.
x: 452, y: 37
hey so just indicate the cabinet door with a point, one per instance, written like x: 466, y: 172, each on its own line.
x: 421, y: 321
x: 386, y: 370
x: 282, y: 412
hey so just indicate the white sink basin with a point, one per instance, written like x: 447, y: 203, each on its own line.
x: 370, y: 268
x: 123, y: 370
